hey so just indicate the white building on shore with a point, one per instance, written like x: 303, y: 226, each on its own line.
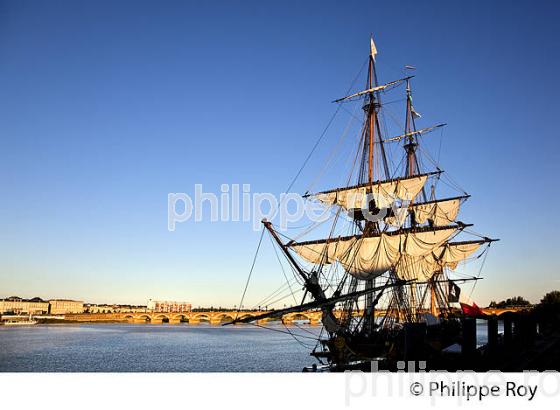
x: 19, y: 306
x: 169, y: 306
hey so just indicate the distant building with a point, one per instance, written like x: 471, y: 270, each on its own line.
x: 17, y: 305
x: 94, y: 308
x: 169, y: 306
x: 64, y: 306
x: 131, y: 309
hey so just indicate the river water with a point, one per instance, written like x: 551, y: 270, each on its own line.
x: 159, y: 348
x: 154, y: 348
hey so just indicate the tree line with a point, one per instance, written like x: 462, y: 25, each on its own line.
x: 550, y: 299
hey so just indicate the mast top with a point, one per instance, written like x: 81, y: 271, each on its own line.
x: 373, y: 49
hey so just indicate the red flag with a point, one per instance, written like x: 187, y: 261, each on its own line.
x: 473, y: 311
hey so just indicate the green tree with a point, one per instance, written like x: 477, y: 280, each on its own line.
x: 548, y: 311
x: 514, y: 301
x: 551, y: 298
x: 519, y: 301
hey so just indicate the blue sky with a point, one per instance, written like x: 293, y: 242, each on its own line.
x: 106, y: 107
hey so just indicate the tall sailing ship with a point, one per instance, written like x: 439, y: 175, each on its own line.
x: 391, y: 276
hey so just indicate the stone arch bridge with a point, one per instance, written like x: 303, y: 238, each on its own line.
x: 218, y: 317
x: 212, y: 317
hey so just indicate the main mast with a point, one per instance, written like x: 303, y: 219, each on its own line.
x: 371, y: 109
x: 372, y: 129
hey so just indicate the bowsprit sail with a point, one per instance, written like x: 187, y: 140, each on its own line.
x: 396, y: 265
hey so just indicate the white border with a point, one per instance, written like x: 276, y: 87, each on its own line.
x: 249, y: 391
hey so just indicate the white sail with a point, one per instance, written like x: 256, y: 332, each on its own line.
x: 441, y: 213
x: 384, y: 193
x: 369, y: 257
x: 448, y: 255
x: 454, y: 253
x: 419, y: 268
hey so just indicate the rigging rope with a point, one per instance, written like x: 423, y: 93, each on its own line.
x: 281, y: 299
x: 480, y: 270
x: 304, y: 329
x: 282, y: 267
x: 312, y: 151
x: 296, y: 339
x: 322, y: 134
x: 332, y: 154
x: 453, y: 183
x: 282, y: 288
x: 250, y: 272
x: 287, y: 332
x: 440, y: 144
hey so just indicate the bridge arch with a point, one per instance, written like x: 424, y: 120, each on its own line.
x: 160, y: 317
x: 200, y: 317
x: 223, y: 317
x: 178, y: 318
x: 299, y: 316
x: 296, y: 317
